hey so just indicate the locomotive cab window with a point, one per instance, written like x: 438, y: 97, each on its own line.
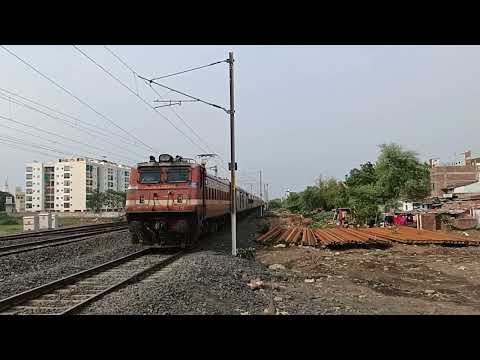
x: 179, y: 174
x: 164, y: 175
x: 149, y: 176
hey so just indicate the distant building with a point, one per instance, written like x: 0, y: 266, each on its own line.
x: 9, y: 205
x: 462, y: 172
x: 19, y: 200
x: 67, y: 184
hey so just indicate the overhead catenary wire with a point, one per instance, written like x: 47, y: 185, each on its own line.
x: 95, y: 127
x: 138, y: 96
x: 77, y: 98
x: 188, y: 70
x: 129, y: 67
x: 17, y: 141
x: 57, y: 135
x: 24, y: 149
x: 150, y: 81
x: 73, y: 125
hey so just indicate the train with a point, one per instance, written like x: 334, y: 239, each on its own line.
x: 173, y: 201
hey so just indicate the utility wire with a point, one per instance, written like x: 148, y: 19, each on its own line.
x: 34, y: 145
x: 188, y: 70
x: 21, y: 148
x: 22, y: 142
x: 138, y: 96
x: 77, y: 98
x: 57, y: 135
x: 73, y: 125
x: 170, y: 90
x: 161, y: 97
x: 184, y: 94
x: 96, y: 128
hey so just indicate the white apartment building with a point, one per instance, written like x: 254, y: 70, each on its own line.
x: 66, y: 184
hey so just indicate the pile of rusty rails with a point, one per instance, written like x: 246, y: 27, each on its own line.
x: 360, y: 237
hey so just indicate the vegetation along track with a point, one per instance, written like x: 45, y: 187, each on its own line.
x: 50, y: 238
x: 71, y: 293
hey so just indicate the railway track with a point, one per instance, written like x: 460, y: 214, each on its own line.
x: 72, y: 293
x: 61, y: 231
x: 75, y: 235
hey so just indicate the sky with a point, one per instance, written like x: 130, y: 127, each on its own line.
x: 300, y: 111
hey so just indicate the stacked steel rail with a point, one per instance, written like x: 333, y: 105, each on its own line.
x: 74, y: 292
x: 378, y: 237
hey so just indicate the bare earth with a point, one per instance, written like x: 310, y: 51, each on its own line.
x: 405, y: 279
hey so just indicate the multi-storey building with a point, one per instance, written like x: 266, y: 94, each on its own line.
x: 463, y: 171
x: 19, y: 200
x: 67, y: 184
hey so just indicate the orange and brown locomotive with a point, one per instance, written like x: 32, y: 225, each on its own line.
x: 172, y: 201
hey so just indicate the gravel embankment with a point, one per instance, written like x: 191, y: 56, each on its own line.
x: 24, y: 271
x: 207, y: 281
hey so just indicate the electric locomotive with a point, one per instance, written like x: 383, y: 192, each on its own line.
x: 172, y: 201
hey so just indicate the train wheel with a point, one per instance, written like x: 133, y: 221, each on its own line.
x: 134, y: 228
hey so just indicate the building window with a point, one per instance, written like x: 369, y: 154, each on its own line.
x: 66, y: 175
x: 29, y: 176
x: 66, y: 190
x: 29, y: 198
x: 66, y: 183
x: 28, y: 191
x: 66, y: 168
x: 28, y: 206
x: 29, y: 169
x: 66, y: 198
x: 28, y: 184
x: 66, y: 205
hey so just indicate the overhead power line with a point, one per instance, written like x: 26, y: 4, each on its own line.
x: 24, y: 149
x: 137, y: 95
x: 161, y: 97
x: 73, y: 125
x: 57, y: 135
x: 188, y: 70
x: 150, y: 81
x: 77, y: 98
x: 95, y: 127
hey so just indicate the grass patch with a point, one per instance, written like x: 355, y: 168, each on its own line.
x: 10, y: 229
x: 9, y: 220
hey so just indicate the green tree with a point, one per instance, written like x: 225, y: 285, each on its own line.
x: 114, y: 199
x: 400, y: 175
x: 3, y: 196
x: 95, y: 201
x: 363, y: 176
x: 275, y: 204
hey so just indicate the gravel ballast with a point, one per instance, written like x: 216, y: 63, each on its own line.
x: 20, y: 272
x: 206, y: 281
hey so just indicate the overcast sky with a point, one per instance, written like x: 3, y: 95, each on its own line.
x: 301, y: 111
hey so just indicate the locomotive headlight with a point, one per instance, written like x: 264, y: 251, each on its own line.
x: 165, y: 158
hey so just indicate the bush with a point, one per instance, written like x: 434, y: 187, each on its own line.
x: 264, y: 227
x: 246, y: 253
x: 8, y: 220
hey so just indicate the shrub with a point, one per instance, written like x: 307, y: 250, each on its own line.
x: 264, y: 227
x: 246, y: 253
x: 8, y: 220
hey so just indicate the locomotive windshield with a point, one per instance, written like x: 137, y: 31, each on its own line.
x: 164, y: 175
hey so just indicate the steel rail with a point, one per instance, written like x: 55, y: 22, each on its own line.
x: 67, y: 230
x: 8, y: 305
x: 34, y: 245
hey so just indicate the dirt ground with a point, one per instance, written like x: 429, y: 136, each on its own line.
x: 405, y: 279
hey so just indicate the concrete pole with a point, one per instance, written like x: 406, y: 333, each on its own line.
x: 232, y: 154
